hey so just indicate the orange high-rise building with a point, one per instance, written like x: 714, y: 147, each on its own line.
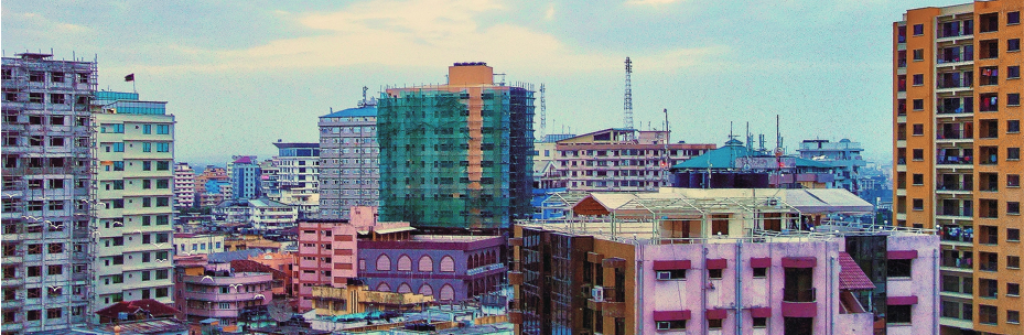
x: 956, y: 102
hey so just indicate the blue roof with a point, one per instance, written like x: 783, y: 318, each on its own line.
x: 354, y: 112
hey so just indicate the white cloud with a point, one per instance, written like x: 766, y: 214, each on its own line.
x: 650, y: 2
x: 423, y: 33
x: 45, y: 24
x: 550, y: 13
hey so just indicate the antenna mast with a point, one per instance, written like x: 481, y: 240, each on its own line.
x: 543, y: 113
x: 627, y: 118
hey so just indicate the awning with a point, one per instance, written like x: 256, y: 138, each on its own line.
x: 671, y: 265
x: 394, y: 230
x: 671, y: 315
x: 902, y: 254
x: 851, y: 277
x: 717, y: 264
x: 760, y: 262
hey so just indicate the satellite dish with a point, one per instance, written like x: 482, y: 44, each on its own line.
x: 280, y: 311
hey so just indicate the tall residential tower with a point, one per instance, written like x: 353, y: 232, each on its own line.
x: 46, y: 236
x: 349, y: 175
x: 956, y: 105
x: 457, y: 155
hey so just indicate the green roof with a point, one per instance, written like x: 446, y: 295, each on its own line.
x: 725, y: 158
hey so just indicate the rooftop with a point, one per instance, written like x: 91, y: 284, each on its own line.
x: 368, y: 111
x: 287, y: 145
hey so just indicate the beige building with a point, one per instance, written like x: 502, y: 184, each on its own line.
x: 134, y: 196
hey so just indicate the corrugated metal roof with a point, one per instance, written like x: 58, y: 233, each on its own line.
x: 851, y: 276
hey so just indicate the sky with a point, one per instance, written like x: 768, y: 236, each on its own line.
x: 240, y: 75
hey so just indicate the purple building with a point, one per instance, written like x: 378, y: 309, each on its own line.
x: 451, y: 268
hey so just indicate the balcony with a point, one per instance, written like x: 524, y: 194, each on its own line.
x: 237, y: 278
x: 952, y: 133
x: 957, y: 264
x: 215, y: 313
x: 954, y: 213
x: 228, y: 297
x: 954, y: 110
x: 955, y: 56
x: 954, y: 187
x: 800, y: 303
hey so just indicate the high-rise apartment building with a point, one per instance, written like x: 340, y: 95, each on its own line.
x: 349, y: 175
x: 133, y: 146
x: 956, y: 105
x: 298, y: 173
x: 245, y: 177
x: 616, y: 160
x: 184, y: 186
x: 457, y: 155
x: 46, y: 236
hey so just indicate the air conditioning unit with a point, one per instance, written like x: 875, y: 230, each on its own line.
x: 773, y: 201
x: 664, y: 326
x: 664, y: 275
x: 597, y: 294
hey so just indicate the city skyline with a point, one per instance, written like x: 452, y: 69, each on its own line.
x: 249, y: 65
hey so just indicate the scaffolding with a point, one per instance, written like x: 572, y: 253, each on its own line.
x: 456, y: 157
x: 46, y: 234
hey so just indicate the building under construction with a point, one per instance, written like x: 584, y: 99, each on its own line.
x: 47, y: 246
x: 456, y: 155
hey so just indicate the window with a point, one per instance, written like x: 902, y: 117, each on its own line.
x: 163, y: 202
x: 161, y: 274
x: 1013, y: 289
x: 1013, y: 262
x: 163, y: 147
x: 163, y: 165
x: 715, y: 324
x: 918, y: 204
x: 918, y: 104
x: 147, y: 129
x: 162, y: 183
x: 34, y: 315
x: 1013, y: 317
x: 1012, y: 126
x: 145, y: 276
x: 760, y: 322
x: 671, y: 325
x: 404, y: 263
x: 447, y: 264
x: 715, y: 273
x: 59, y: 98
x: 147, y: 147
x: 1012, y: 18
x: 162, y: 220
x: 163, y: 129
x: 918, y: 29
x: 899, y: 268
x: 899, y: 314
x: 1013, y: 99
x: 161, y: 292
x: 54, y: 269
x: 918, y: 179
x: 760, y: 272
x: 1013, y: 44
x: 383, y: 263
x: 672, y: 274
x: 147, y: 166
x: 118, y: 166
x: 918, y: 129
x: 1013, y: 234
x: 1013, y: 72
x: 987, y: 314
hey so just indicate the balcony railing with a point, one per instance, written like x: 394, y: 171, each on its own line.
x: 955, y: 134
x: 798, y: 295
x: 955, y: 186
x: 954, y: 109
x: 955, y: 57
x: 954, y: 81
x: 966, y: 159
x: 954, y: 211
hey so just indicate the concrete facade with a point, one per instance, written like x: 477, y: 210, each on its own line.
x: 349, y: 175
x: 184, y: 186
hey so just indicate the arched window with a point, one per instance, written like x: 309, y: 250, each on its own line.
x: 384, y: 287
x: 447, y: 293
x: 383, y: 263
x: 426, y: 264
x: 404, y: 263
x: 404, y: 288
x: 427, y: 290
x: 447, y: 264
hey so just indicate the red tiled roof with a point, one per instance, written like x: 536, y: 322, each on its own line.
x: 851, y: 277
x: 155, y: 308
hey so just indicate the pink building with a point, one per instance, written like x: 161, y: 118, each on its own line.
x: 723, y: 261
x: 327, y: 257
x: 213, y: 289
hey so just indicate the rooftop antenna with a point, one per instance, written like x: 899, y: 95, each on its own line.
x: 627, y: 118
x: 543, y: 112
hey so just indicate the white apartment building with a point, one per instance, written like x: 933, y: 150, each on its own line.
x: 132, y: 190
x: 184, y: 185
x: 298, y: 177
x: 192, y: 244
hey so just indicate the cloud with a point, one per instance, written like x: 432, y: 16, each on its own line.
x: 650, y: 2
x: 421, y: 33
x: 550, y: 13
x: 39, y: 22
